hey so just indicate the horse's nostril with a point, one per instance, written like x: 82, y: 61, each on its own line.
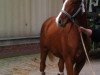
x: 59, y: 21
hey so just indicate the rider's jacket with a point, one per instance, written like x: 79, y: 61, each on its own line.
x: 95, y: 35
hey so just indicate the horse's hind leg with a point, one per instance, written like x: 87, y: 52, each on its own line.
x: 61, y: 66
x: 43, y: 56
x: 79, y: 64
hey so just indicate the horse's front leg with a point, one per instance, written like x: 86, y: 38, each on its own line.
x: 43, y: 56
x: 69, y: 66
x: 61, y: 66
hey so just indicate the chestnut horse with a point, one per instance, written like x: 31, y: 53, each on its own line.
x: 60, y: 36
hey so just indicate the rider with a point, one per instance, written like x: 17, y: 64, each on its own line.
x: 94, y: 34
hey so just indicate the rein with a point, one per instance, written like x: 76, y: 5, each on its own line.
x: 87, y: 54
x: 72, y: 18
x: 85, y: 50
x: 88, y: 59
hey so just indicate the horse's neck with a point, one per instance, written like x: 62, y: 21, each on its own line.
x: 82, y: 20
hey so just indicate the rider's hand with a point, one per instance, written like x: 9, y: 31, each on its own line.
x: 88, y: 32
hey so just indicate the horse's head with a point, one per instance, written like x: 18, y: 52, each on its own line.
x: 70, y: 9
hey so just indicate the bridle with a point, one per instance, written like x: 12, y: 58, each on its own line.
x: 72, y: 18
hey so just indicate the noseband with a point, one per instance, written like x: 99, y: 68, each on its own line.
x: 72, y: 18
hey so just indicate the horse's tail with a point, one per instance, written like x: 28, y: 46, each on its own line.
x: 51, y: 56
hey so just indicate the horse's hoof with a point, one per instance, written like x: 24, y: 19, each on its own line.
x: 60, y: 74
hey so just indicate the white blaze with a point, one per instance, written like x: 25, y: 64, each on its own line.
x: 57, y: 18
